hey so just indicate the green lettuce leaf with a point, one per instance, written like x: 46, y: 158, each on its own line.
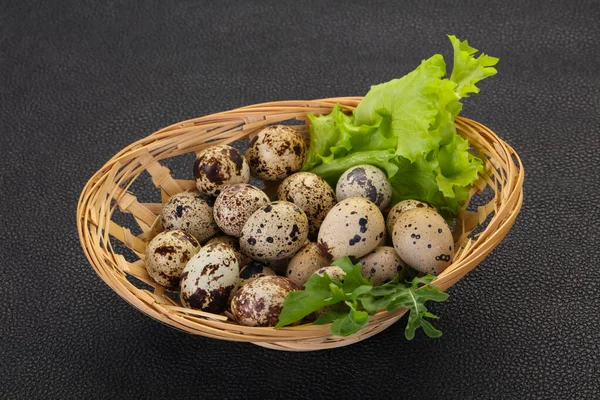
x: 406, y: 128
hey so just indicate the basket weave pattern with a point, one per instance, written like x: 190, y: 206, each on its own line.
x: 109, y: 189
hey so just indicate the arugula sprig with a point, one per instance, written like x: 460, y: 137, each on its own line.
x: 355, y: 298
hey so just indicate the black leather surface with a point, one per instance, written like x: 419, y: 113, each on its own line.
x: 80, y: 80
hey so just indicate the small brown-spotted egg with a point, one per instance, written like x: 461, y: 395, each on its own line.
x: 209, y: 277
x: 423, y: 240
x: 219, y: 165
x: 252, y: 271
x: 304, y: 263
x: 401, y: 207
x: 382, y: 264
x: 191, y: 213
x: 167, y: 254
x: 235, y: 204
x: 274, y: 232
x: 234, y: 243
x: 312, y: 194
x: 275, y: 152
x: 353, y: 227
x: 259, y: 303
x: 365, y: 181
x: 333, y: 271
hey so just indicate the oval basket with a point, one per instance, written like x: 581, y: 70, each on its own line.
x: 495, y: 201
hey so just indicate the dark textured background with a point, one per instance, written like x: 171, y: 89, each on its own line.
x: 80, y: 80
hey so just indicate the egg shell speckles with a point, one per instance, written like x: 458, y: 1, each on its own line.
x: 234, y: 243
x: 333, y: 271
x: 209, y: 277
x: 274, y: 232
x: 423, y: 240
x: 312, y: 194
x: 235, y: 204
x: 167, y: 254
x: 276, y: 152
x: 401, y: 207
x: 191, y: 213
x: 304, y: 263
x: 382, y: 264
x: 252, y: 271
x: 218, y: 165
x: 259, y: 303
x: 365, y: 181
x: 353, y: 227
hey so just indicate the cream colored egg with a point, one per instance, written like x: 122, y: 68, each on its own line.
x: 401, y: 207
x: 191, y: 213
x: 304, y: 263
x: 312, y: 194
x: 423, y: 240
x: 219, y: 165
x: 167, y: 254
x: 382, y: 265
x: 259, y: 303
x: 353, y: 227
x: 365, y: 181
x: 274, y: 232
x: 235, y: 204
x: 209, y: 277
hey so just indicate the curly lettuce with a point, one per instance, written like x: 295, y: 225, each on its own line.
x: 406, y: 128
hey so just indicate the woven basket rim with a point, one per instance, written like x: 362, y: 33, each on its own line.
x: 108, y: 189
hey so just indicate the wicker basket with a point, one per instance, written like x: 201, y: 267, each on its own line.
x: 476, y: 233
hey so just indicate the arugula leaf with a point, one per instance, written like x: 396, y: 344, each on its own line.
x: 355, y: 298
x: 406, y: 128
x: 351, y: 323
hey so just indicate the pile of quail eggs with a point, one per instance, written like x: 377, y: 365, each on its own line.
x: 228, y: 247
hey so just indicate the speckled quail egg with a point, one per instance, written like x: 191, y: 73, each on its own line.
x: 423, y: 240
x: 234, y: 243
x: 353, y: 227
x: 191, y: 213
x: 333, y: 271
x: 259, y: 303
x: 275, y: 152
x: 274, y: 232
x: 252, y: 271
x: 365, y: 181
x: 382, y: 264
x: 219, y: 165
x: 235, y: 204
x: 304, y: 263
x: 312, y: 194
x: 209, y: 277
x: 167, y: 254
x: 401, y: 207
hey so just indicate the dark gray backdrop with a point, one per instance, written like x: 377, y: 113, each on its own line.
x: 80, y: 80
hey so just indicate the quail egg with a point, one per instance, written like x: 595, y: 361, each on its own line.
x: 312, y: 194
x: 382, y: 264
x: 274, y: 232
x: 276, y: 152
x: 209, y: 277
x: 167, y: 255
x: 353, y: 227
x: 423, y: 240
x: 235, y: 204
x: 365, y: 181
x: 252, y: 271
x: 234, y: 243
x: 304, y: 263
x: 333, y: 271
x: 401, y: 207
x: 259, y: 303
x: 218, y: 165
x: 191, y: 213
